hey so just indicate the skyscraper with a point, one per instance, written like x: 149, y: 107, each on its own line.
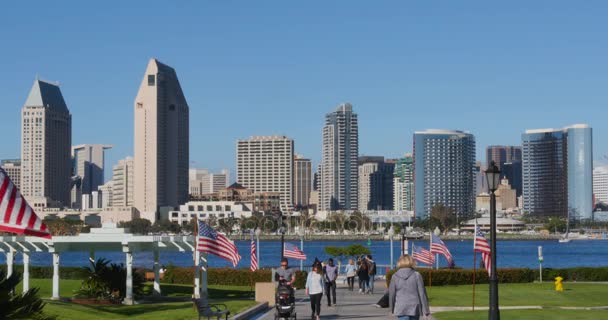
x: 502, y: 154
x: 88, y: 165
x: 339, y: 166
x: 123, y: 184
x: 46, y: 137
x: 12, y: 167
x: 404, y: 184
x: 600, y: 184
x: 302, y: 185
x: 443, y: 171
x: 375, y: 183
x: 265, y: 164
x: 202, y: 182
x: 558, y: 172
x: 161, y: 141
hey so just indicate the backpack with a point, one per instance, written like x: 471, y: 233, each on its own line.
x: 372, y: 269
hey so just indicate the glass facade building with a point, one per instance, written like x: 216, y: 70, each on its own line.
x: 557, y: 172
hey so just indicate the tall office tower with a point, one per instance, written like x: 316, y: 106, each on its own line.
x: 202, y: 182
x: 558, y: 172
x: 123, y: 183
x: 444, y: 161
x: 88, y: 161
x: 600, y: 184
x: 265, y: 164
x: 12, y: 167
x: 302, y: 183
x: 375, y: 183
x: 404, y: 184
x: 388, y: 191
x: 339, y: 167
x: 502, y: 154
x: 161, y: 141
x: 512, y: 171
x: 316, y: 179
x: 46, y: 137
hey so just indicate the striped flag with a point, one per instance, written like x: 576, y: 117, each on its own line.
x: 437, y: 246
x: 254, y: 256
x: 480, y: 244
x: 423, y: 255
x: 292, y: 251
x: 16, y: 215
x: 210, y: 241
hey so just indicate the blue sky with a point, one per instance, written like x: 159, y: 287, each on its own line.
x: 276, y: 67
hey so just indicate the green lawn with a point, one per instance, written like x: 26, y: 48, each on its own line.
x: 235, y: 297
x: 526, y: 315
x: 524, y: 294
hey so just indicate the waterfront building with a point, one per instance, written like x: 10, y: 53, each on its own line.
x: 123, y: 183
x: 502, y: 154
x: 202, y: 182
x: 88, y: 168
x: 161, y: 141
x: 265, y: 165
x: 12, y: 167
x: 302, y: 183
x: 375, y: 183
x: 444, y: 163
x: 600, y: 184
x: 339, y: 165
x: 46, y: 138
x: 210, y: 210
x: 403, y: 188
x: 558, y: 172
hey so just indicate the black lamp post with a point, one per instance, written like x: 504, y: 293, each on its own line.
x: 403, y: 231
x: 280, y: 218
x: 493, y: 177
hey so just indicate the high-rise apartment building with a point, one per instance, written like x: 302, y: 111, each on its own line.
x: 600, y: 184
x: 106, y: 191
x: 46, y: 137
x: 502, y: 154
x: 123, y: 183
x: 12, y: 167
x: 375, y: 183
x: 161, y: 141
x: 265, y: 164
x: 202, y: 182
x: 403, y: 184
x: 88, y: 166
x: 302, y: 183
x: 339, y: 165
x: 443, y: 171
x: 512, y: 171
x: 558, y: 172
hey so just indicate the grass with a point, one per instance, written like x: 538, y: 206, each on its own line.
x: 525, y: 315
x: 522, y: 294
x: 236, y: 299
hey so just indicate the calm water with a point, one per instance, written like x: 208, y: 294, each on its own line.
x: 513, y: 253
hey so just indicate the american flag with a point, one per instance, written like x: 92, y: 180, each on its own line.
x: 292, y: 251
x: 437, y: 246
x: 210, y: 241
x: 254, y: 257
x: 16, y: 215
x: 480, y: 244
x: 423, y: 255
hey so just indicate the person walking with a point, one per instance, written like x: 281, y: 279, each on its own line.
x: 363, y: 274
x: 314, y: 290
x: 330, y: 274
x: 407, y: 295
x: 372, y: 274
x: 351, y: 271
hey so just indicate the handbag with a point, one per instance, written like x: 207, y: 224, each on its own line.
x: 351, y: 274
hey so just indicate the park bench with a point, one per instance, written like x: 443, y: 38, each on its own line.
x: 205, y: 309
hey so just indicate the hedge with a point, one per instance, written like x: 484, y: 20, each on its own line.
x: 443, y: 277
x: 227, y: 276
x: 576, y: 274
x: 67, y: 273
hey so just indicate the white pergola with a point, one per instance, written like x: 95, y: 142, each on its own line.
x: 107, y: 238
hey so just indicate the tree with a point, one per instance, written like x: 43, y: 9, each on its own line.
x: 350, y: 251
x: 65, y: 227
x: 445, y: 217
x: 556, y: 225
x: 19, y: 306
x: 166, y: 226
x: 226, y: 225
x: 137, y: 226
x: 105, y: 280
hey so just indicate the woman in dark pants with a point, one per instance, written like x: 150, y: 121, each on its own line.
x: 314, y: 289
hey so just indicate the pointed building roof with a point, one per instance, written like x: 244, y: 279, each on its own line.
x: 46, y: 94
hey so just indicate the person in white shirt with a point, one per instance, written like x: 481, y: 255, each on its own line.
x: 314, y: 289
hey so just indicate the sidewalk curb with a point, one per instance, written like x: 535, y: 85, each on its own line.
x: 251, y: 311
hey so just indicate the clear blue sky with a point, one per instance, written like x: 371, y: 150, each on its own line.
x: 276, y: 67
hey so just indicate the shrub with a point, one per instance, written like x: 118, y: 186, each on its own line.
x: 576, y: 274
x: 443, y: 277
x: 227, y: 276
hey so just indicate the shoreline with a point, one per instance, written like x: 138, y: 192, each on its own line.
x: 398, y: 237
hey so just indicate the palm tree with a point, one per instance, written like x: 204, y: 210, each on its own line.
x: 19, y: 306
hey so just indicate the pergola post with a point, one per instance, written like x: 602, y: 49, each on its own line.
x: 204, y: 268
x: 26, y: 271
x: 197, y: 273
x: 10, y: 262
x: 55, y: 295
x: 129, y: 294
x: 156, y: 272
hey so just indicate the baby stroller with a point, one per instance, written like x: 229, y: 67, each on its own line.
x: 285, y: 303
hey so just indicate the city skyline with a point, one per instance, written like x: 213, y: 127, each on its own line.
x: 412, y: 86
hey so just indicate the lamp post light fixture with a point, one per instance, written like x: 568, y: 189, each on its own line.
x: 493, y: 178
x: 403, y: 237
x: 258, y: 232
x: 391, y: 233
x: 301, y: 232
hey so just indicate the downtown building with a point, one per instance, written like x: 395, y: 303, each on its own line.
x: 600, y: 185
x: 403, y: 184
x: 508, y: 161
x: 302, y: 181
x: 201, y: 182
x: 88, y: 169
x: 558, y: 172
x: 161, y: 142
x: 375, y: 183
x: 122, y: 185
x: 265, y: 165
x: 12, y: 167
x: 339, y: 164
x: 444, y: 162
x: 46, y: 136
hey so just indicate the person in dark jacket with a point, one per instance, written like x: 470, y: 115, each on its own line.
x: 363, y: 274
x: 407, y: 295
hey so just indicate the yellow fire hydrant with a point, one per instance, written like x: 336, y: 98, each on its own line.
x: 559, y: 286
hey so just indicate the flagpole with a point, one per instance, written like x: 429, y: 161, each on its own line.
x: 196, y: 257
x: 431, y: 266
x: 474, y: 262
